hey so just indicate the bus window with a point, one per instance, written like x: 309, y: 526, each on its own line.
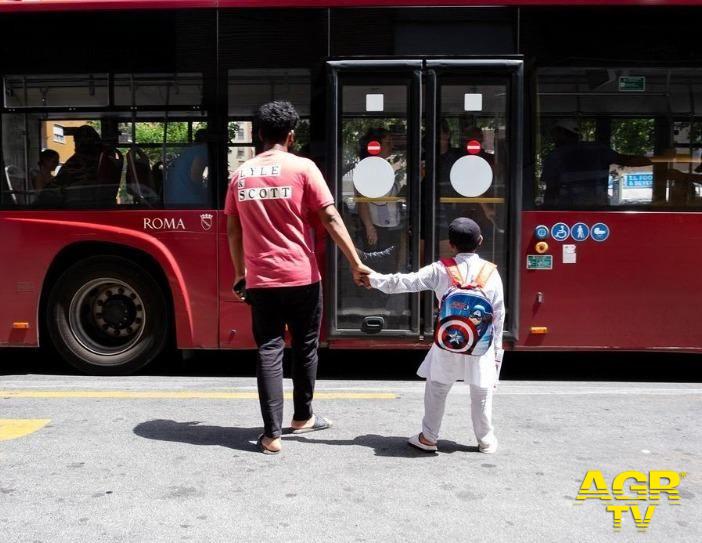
x: 56, y: 90
x: 241, y: 144
x: 618, y: 138
x: 248, y: 90
x: 182, y: 89
x: 137, y: 150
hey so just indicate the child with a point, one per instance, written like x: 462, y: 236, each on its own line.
x: 441, y: 368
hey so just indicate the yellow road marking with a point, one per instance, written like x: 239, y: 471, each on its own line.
x: 183, y: 395
x: 14, y: 428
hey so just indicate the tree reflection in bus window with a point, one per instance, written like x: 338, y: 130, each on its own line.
x: 658, y: 123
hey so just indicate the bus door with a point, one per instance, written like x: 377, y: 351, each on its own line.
x: 415, y: 144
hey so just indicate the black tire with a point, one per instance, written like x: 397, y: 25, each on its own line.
x: 106, y: 315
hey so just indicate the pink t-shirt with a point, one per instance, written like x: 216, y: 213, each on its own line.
x: 274, y: 194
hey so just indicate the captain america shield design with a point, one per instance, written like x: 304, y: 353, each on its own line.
x: 456, y: 334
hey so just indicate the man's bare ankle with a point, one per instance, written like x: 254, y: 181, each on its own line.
x: 302, y: 423
x: 272, y: 443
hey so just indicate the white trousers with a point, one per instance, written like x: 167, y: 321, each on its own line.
x: 435, y: 394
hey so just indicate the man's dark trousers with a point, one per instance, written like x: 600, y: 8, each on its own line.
x: 301, y: 309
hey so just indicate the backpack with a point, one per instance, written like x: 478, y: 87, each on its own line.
x: 464, y: 324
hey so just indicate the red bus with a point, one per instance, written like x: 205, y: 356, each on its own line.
x: 572, y: 133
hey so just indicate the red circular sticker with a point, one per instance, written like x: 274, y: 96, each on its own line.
x: 473, y: 147
x: 373, y: 147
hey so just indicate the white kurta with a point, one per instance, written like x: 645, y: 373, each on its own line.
x: 444, y: 366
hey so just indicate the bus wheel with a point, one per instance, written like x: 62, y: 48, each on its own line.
x: 107, y: 316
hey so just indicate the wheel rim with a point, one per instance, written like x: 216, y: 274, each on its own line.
x: 107, y: 317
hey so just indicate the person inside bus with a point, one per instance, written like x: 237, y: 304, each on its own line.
x: 576, y: 173
x: 269, y: 200
x: 186, y: 177
x: 382, y: 222
x: 43, y: 174
x: 483, y: 214
x: 82, y: 167
x: 441, y: 368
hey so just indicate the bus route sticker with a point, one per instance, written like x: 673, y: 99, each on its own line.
x: 560, y: 231
x: 539, y: 262
x: 599, y: 232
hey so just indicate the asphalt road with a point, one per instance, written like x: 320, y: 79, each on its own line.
x: 167, y: 457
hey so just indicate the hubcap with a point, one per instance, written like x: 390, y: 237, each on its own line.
x: 107, y: 316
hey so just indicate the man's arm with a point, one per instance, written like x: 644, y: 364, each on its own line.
x: 236, y: 246
x: 364, y: 215
x: 331, y: 220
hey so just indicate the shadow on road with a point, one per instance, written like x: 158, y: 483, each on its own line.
x: 392, y: 446
x: 243, y: 439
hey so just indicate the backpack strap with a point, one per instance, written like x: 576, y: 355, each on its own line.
x: 484, y: 274
x: 453, y: 271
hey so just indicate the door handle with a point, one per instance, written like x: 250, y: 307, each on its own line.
x: 372, y: 325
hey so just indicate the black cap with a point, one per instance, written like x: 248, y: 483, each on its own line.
x: 464, y: 234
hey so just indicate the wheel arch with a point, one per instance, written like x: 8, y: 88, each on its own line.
x: 75, y: 252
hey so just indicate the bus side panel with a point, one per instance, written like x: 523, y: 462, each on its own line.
x: 23, y: 263
x: 636, y: 290
x: 181, y: 242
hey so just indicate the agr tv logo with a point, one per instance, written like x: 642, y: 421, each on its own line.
x: 641, y: 492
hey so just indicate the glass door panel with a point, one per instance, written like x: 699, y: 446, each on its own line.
x: 474, y: 127
x: 376, y: 164
x: 402, y: 171
x: 472, y: 162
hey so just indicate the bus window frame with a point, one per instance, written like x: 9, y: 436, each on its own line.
x: 129, y: 114
x: 534, y: 137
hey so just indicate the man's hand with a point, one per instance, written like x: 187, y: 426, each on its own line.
x: 361, y: 274
x: 240, y: 294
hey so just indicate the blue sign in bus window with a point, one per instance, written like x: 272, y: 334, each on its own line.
x: 639, y: 180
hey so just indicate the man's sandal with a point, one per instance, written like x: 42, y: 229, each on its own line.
x: 320, y: 423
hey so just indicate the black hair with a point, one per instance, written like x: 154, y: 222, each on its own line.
x: 200, y: 136
x: 47, y: 154
x: 275, y: 120
x: 461, y: 245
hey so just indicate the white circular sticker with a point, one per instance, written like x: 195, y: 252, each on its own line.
x: 471, y: 176
x: 373, y: 177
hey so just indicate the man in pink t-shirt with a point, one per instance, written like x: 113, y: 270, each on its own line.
x: 271, y: 241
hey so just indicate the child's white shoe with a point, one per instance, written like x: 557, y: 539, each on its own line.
x: 415, y: 442
x: 488, y: 448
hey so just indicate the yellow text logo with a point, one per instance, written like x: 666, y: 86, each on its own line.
x: 642, y: 492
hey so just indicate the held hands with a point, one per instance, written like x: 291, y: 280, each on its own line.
x: 361, y: 275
